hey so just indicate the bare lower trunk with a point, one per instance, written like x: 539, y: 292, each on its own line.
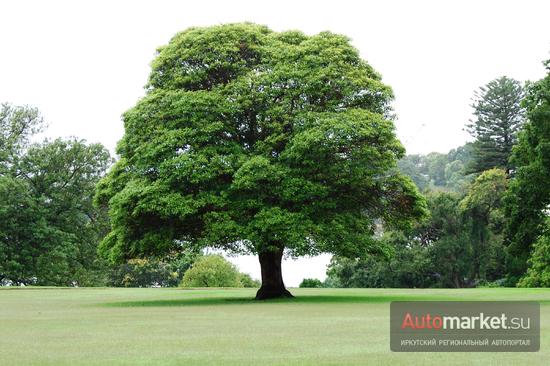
x: 272, y: 276
x: 456, y: 280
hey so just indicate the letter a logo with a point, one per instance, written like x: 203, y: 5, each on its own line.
x: 407, y: 322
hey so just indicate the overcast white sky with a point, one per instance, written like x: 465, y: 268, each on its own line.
x: 83, y: 63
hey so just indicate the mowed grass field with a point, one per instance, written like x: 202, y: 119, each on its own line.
x: 108, y: 326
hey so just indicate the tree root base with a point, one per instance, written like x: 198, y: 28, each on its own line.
x: 272, y: 293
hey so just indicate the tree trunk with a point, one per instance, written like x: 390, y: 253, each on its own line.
x: 456, y: 280
x: 272, y: 276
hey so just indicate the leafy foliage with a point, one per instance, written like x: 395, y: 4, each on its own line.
x: 483, y: 207
x: 215, y: 271
x: 408, y: 266
x: 498, y: 118
x: 418, y: 257
x: 442, y: 252
x: 17, y: 125
x: 528, y: 197
x: 538, y: 272
x: 49, y: 229
x: 254, y: 141
x: 247, y: 281
x: 152, y: 272
x: 311, y: 283
x: 439, y: 172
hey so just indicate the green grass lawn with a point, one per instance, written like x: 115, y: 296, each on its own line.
x: 107, y: 326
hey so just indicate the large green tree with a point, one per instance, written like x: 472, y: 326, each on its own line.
x: 498, y: 118
x: 49, y: 228
x: 254, y: 141
x: 528, y: 197
x: 482, y: 206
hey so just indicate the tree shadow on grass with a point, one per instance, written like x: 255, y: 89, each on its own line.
x: 319, y: 299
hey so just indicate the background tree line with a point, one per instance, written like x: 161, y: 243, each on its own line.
x: 489, y: 203
x: 50, y: 228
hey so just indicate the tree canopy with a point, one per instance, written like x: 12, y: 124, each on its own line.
x: 498, y: 118
x: 49, y: 228
x: 260, y: 142
x: 17, y: 125
x: 528, y: 197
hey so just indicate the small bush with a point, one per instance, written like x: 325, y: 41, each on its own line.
x: 311, y: 283
x: 538, y: 273
x: 216, y: 271
x: 248, y: 281
x: 152, y: 272
x: 491, y: 284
